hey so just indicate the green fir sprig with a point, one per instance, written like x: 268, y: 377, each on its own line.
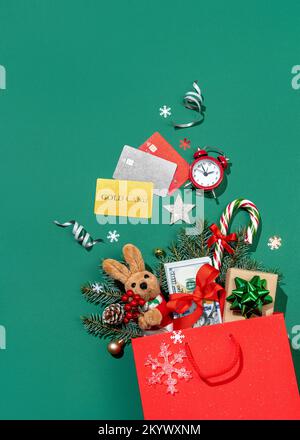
x: 102, y: 294
x: 95, y: 326
x: 107, y: 295
x: 186, y: 247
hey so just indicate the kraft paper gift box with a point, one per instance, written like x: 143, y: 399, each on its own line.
x: 236, y: 370
x: 271, y: 285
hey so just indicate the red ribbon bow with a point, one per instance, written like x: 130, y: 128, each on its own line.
x: 206, y: 289
x: 217, y: 235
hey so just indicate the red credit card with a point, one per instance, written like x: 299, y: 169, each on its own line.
x: 159, y: 147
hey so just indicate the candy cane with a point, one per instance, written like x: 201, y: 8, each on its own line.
x: 230, y: 210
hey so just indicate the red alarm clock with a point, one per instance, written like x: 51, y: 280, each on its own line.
x: 207, y: 172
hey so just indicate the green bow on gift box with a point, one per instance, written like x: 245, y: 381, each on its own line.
x: 249, y: 297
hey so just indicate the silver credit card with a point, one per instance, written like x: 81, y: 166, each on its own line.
x: 137, y: 165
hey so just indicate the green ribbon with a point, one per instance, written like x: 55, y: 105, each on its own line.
x: 249, y: 297
x: 153, y: 301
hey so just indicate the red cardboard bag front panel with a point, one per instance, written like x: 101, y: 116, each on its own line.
x: 263, y: 386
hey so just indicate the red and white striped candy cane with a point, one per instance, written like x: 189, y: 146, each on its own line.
x: 225, y: 219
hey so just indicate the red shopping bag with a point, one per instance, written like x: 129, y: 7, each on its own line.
x: 237, y: 370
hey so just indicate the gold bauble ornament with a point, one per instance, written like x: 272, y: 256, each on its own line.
x: 116, y: 348
x: 159, y: 253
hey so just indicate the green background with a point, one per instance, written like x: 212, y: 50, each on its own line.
x: 83, y: 79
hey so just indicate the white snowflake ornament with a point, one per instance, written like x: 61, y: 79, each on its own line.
x: 177, y: 337
x: 167, y: 368
x: 165, y: 111
x: 274, y: 242
x: 113, y: 236
x: 97, y: 288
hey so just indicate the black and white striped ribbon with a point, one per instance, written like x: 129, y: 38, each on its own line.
x: 80, y: 234
x: 193, y: 101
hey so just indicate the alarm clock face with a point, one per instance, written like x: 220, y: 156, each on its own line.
x: 206, y: 173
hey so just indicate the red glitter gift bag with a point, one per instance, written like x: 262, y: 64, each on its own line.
x: 236, y: 370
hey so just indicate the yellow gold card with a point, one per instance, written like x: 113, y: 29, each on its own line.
x: 126, y: 198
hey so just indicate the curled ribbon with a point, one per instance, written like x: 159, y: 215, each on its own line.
x: 193, y: 101
x: 80, y: 234
x: 217, y: 235
x: 206, y: 289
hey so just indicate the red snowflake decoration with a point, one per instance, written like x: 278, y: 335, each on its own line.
x: 185, y: 143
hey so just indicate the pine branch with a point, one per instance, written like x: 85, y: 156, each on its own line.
x: 186, y: 245
x: 202, y: 240
x: 159, y: 271
x: 184, y: 248
x: 107, y: 295
x: 175, y: 252
x: 195, y: 246
x: 94, y: 326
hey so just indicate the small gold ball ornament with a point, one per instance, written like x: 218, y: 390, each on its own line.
x: 116, y: 348
x: 159, y: 253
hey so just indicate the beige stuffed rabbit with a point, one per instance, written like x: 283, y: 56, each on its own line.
x: 143, y: 283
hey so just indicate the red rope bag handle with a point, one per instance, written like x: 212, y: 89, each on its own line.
x: 237, y: 358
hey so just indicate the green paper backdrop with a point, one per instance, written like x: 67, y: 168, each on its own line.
x: 83, y: 79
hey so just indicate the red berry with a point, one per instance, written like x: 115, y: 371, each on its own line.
x: 135, y: 315
x: 134, y: 303
x: 125, y: 320
x: 124, y: 298
x: 127, y: 307
x: 137, y: 297
x: 128, y: 315
x: 130, y: 292
x: 142, y: 302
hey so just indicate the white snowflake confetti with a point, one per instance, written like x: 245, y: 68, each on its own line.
x: 177, y: 337
x: 274, y: 242
x: 167, y: 367
x: 165, y: 111
x: 97, y: 288
x: 113, y: 236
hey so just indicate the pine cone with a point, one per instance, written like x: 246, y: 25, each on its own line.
x: 113, y: 314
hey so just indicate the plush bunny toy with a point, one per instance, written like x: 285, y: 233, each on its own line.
x: 143, y: 283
